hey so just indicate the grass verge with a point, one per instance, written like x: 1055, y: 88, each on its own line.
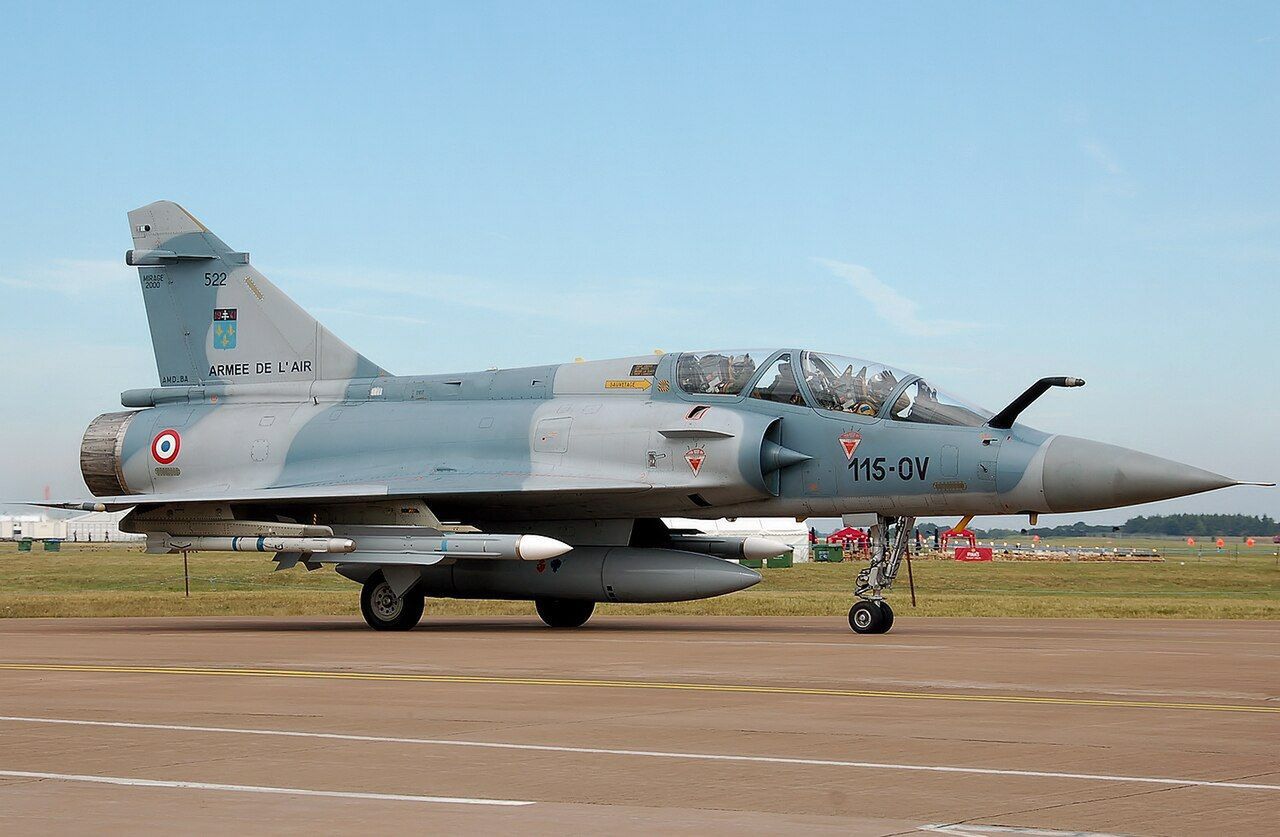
x: 117, y: 581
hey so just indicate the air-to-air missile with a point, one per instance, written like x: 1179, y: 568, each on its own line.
x: 548, y: 483
x: 264, y: 543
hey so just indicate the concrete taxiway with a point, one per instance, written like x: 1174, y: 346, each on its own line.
x: 963, y: 726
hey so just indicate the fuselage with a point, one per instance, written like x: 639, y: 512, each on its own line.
x: 624, y: 438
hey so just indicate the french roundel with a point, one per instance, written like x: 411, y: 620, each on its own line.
x: 165, y: 446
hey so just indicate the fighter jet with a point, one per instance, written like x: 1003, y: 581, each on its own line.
x: 543, y: 483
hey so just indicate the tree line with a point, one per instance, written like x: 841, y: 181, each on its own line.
x: 1202, y: 525
x: 1207, y: 525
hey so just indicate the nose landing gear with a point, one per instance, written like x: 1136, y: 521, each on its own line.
x: 870, y: 617
x: 891, y: 537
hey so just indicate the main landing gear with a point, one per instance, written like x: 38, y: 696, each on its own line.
x: 564, y: 613
x: 384, y: 610
x: 891, y: 537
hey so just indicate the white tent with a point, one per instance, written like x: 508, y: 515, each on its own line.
x: 788, y: 530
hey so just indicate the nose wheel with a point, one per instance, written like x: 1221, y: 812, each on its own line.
x: 889, y: 544
x: 871, y: 617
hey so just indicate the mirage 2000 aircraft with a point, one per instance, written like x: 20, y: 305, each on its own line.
x: 544, y: 483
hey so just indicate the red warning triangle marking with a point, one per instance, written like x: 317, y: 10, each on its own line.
x: 849, y: 440
x: 695, y: 457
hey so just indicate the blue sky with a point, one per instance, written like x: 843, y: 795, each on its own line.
x: 982, y: 193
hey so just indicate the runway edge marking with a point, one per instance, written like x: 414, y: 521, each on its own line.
x: 629, y: 684
x: 212, y: 786
x: 499, y: 745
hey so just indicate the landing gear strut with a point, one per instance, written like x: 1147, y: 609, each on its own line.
x: 890, y: 540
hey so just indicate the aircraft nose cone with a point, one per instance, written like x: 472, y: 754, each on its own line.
x: 1080, y: 475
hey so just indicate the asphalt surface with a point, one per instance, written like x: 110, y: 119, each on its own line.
x: 630, y: 725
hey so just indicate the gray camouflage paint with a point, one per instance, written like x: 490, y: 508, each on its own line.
x: 286, y: 413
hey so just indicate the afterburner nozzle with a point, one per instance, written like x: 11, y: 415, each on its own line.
x: 1080, y: 475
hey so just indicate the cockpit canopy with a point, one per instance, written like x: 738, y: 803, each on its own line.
x: 826, y: 382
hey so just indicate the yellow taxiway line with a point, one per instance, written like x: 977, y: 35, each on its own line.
x: 739, y: 688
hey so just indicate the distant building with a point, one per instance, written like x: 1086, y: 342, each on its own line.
x: 34, y: 526
x: 99, y: 527
x: 94, y: 527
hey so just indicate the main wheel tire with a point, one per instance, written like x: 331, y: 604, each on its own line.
x: 564, y: 613
x: 866, y: 618
x: 886, y: 616
x: 384, y: 610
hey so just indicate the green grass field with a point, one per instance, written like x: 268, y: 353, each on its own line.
x: 115, y: 581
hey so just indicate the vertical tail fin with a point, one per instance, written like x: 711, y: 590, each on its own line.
x: 215, y: 319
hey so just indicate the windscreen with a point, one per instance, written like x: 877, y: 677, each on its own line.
x: 923, y: 404
x: 718, y: 373
x: 849, y: 385
x: 778, y: 383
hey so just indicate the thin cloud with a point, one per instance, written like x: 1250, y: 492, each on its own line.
x: 889, y: 305
x: 1117, y: 181
x: 390, y: 318
x: 70, y: 277
x: 1103, y: 156
x: 582, y: 303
